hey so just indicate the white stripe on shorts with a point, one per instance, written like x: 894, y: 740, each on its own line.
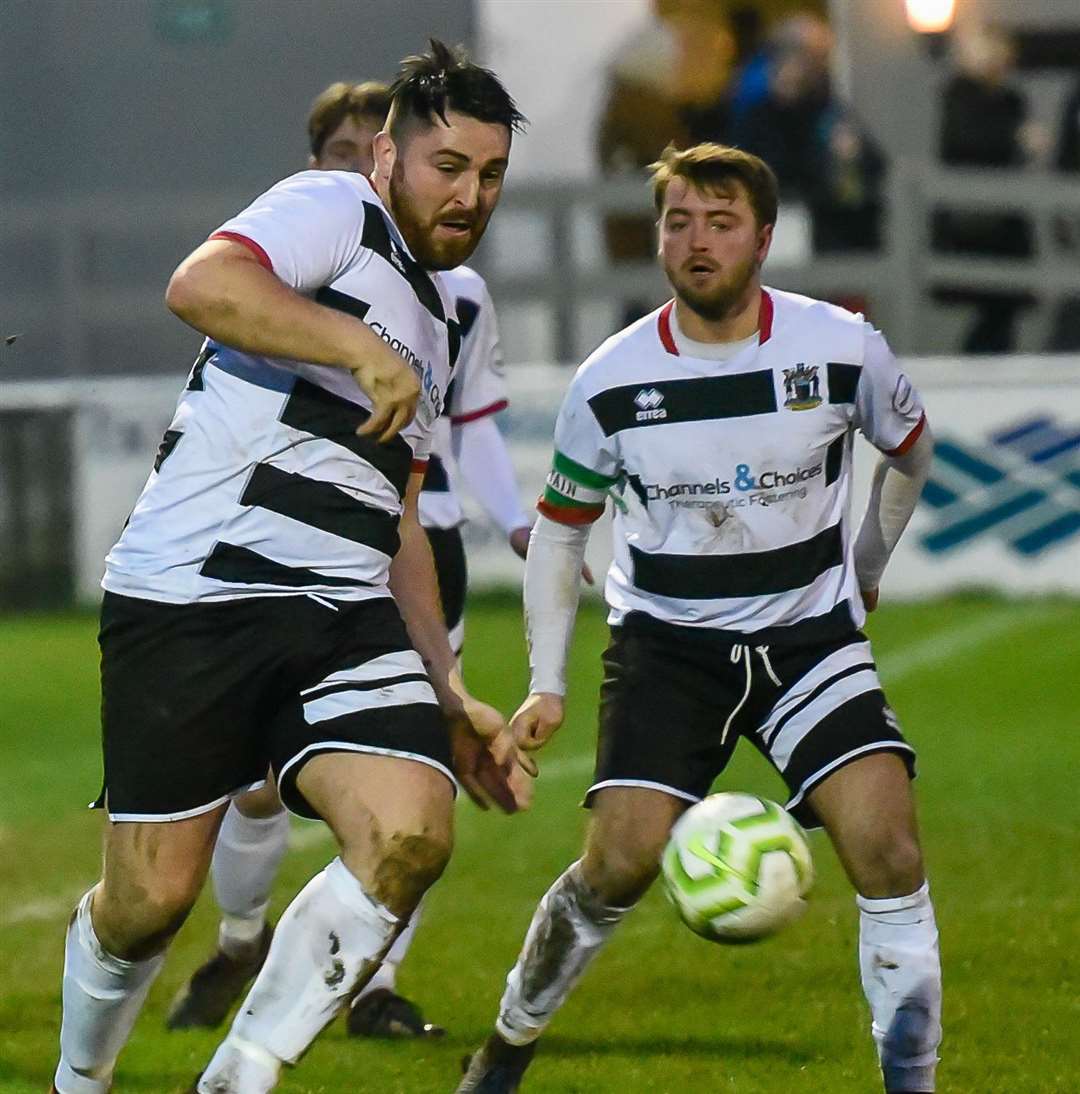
x: 846, y: 657
x: 799, y: 725
x: 397, y: 663
x: 351, y: 702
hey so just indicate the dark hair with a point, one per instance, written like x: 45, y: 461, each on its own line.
x: 711, y: 166
x: 370, y: 100
x: 429, y: 84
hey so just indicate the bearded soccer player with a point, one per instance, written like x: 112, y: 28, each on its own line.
x: 342, y: 126
x: 724, y: 422
x: 248, y: 621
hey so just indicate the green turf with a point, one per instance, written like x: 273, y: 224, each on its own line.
x: 985, y: 689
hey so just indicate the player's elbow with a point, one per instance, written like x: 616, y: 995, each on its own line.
x: 187, y: 295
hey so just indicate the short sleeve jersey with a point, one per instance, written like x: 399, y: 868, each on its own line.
x: 731, y: 480
x: 262, y: 486
x: 478, y: 389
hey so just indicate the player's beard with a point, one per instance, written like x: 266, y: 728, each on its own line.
x: 720, y: 301
x: 430, y: 252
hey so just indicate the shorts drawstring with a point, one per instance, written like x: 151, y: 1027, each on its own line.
x: 740, y: 652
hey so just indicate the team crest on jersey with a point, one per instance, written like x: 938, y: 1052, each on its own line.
x: 801, y: 387
x: 648, y: 401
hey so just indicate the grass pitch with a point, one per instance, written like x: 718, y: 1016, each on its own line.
x: 985, y: 689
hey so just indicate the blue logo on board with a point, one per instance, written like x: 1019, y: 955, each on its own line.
x: 1022, y: 486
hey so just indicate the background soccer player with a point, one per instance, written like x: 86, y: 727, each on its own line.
x: 342, y: 126
x: 248, y: 620
x: 725, y: 422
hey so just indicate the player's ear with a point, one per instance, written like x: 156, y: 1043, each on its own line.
x: 385, y: 151
x: 764, y: 242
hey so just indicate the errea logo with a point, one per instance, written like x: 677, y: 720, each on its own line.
x: 648, y: 400
x: 397, y: 260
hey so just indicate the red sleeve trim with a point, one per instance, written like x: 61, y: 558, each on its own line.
x: 905, y: 445
x: 765, y: 318
x: 235, y: 237
x: 418, y: 467
x: 663, y: 327
x: 562, y: 515
x: 483, y: 412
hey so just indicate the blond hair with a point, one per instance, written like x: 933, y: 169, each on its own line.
x: 712, y: 167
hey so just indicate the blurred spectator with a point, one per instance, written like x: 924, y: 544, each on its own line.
x: 1068, y: 149
x: 666, y: 85
x: 811, y: 140
x: 984, y: 123
x: 1065, y: 334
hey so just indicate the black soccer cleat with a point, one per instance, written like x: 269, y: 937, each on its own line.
x: 205, y: 1000
x: 383, y: 1013
x: 497, y: 1068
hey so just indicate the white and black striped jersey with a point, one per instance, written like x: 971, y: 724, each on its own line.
x: 732, y: 478
x: 262, y: 486
x: 477, y: 389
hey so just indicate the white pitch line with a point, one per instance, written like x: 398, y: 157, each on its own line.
x: 926, y: 653
x: 962, y: 638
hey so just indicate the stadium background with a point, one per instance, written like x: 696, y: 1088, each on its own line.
x: 131, y: 127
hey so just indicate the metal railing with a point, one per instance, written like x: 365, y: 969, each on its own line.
x: 83, y: 279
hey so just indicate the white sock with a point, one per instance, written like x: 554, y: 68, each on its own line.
x: 102, y: 998
x: 332, y: 937
x: 246, y: 859
x: 567, y: 931
x: 386, y: 975
x: 901, y: 976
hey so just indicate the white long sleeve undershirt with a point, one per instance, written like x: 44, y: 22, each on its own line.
x: 894, y: 492
x: 484, y: 462
x: 552, y: 589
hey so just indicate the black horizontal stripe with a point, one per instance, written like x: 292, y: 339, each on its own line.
x: 467, y: 311
x: 834, y: 458
x: 436, y: 481
x: 242, y: 566
x: 314, y: 410
x: 819, y: 690
x: 376, y: 237
x: 195, y: 380
x: 749, y: 573
x: 843, y: 382
x: 700, y: 399
x: 321, y: 505
x: 168, y: 443
x: 365, y: 685
x: 342, y: 301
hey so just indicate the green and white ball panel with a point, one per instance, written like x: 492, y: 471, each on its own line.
x: 737, y: 867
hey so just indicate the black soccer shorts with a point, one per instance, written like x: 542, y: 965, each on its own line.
x: 199, y: 700
x: 676, y: 699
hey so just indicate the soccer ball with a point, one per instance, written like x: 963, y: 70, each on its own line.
x: 737, y: 868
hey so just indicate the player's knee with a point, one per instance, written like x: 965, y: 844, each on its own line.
x: 892, y: 865
x: 620, y: 874
x: 409, y: 864
x: 141, y: 920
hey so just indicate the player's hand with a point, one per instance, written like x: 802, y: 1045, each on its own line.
x: 870, y: 598
x: 536, y: 720
x: 394, y: 390
x: 519, y: 542
x: 486, y: 761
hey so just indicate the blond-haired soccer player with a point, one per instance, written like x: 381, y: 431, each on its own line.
x: 724, y: 421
